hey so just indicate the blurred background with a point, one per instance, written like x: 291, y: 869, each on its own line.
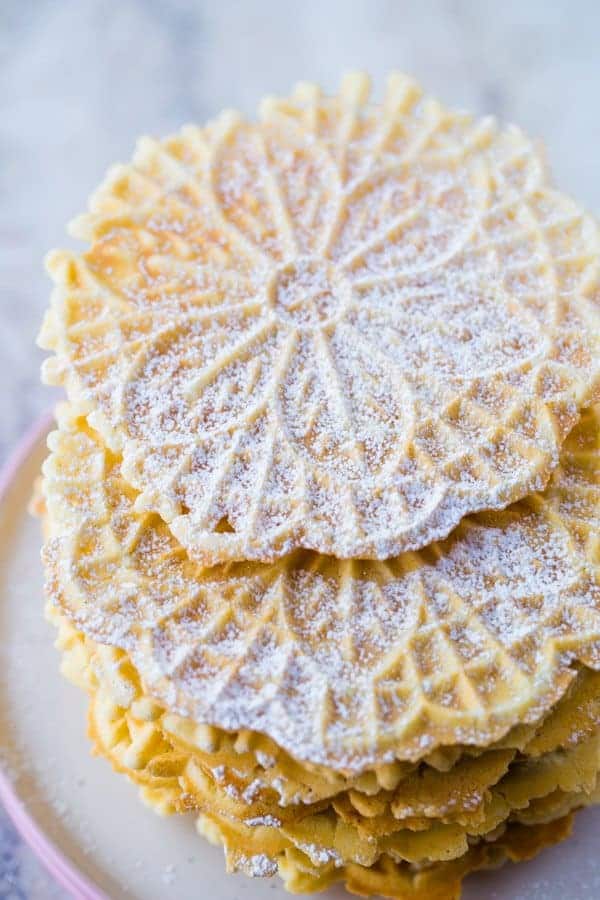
x: 80, y: 79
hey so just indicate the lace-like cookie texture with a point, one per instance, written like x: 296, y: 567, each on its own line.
x: 124, y: 729
x: 151, y: 744
x: 344, y: 664
x: 341, y: 328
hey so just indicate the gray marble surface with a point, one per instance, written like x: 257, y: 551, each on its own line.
x: 79, y: 79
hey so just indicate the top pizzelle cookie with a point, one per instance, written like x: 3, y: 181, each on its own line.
x: 342, y: 328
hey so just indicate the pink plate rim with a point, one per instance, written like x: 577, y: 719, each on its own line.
x: 62, y: 870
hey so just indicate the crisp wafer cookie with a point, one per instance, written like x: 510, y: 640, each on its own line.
x: 555, y: 785
x: 158, y: 750
x: 439, y: 881
x: 150, y: 744
x: 342, y: 328
x: 343, y: 664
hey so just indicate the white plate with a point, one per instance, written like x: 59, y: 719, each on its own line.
x: 87, y: 823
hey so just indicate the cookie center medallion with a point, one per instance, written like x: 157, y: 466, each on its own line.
x: 309, y: 293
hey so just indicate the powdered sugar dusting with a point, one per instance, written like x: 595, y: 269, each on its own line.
x: 336, y: 660
x: 343, y: 341
x: 321, y: 856
x: 267, y: 821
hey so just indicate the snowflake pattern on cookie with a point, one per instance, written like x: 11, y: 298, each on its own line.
x: 341, y: 328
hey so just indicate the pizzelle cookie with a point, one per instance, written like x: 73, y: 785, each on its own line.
x: 159, y: 749
x: 345, y: 665
x: 342, y: 328
x: 321, y: 512
x: 317, y: 837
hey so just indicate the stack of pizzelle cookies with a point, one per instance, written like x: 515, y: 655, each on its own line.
x: 321, y: 509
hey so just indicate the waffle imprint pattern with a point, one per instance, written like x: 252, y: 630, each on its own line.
x: 343, y: 664
x: 311, y: 848
x: 342, y: 328
x: 146, y: 740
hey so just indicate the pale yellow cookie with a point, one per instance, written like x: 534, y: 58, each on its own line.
x: 438, y: 881
x: 312, y: 845
x: 151, y: 745
x: 341, y: 328
x: 347, y: 665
